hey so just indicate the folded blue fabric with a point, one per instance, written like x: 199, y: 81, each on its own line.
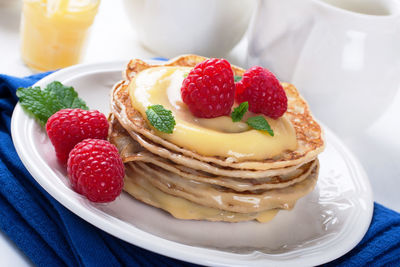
x: 50, y: 235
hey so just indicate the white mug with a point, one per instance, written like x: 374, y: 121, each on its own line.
x: 343, y: 55
x: 205, y: 27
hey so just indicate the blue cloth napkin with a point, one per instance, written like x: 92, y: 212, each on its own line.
x: 50, y: 235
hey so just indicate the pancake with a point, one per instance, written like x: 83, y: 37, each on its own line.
x: 308, y: 132
x: 194, y: 162
x: 223, y: 198
x: 191, y: 185
x: 144, y: 144
x: 130, y: 150
x: 141, y: 189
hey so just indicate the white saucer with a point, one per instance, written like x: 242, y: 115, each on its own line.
x: 322, y: 227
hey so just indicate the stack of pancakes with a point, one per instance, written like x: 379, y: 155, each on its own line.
x: 189, y: 185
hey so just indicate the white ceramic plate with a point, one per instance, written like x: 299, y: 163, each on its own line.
x: 323, y: 225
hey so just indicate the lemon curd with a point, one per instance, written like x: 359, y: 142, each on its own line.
x: 183, y: 209
x: 53, y: 32
x: 209, y: 137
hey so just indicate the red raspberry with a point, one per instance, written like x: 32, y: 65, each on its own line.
x: 68, y: 127
x: 263, y: 92
x: 209, y: 89
x: 95, y: 170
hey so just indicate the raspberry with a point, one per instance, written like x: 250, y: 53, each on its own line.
x: 68, y: 127
x: 209, y: 89
x: 263, y: 92
x: 95, y: 170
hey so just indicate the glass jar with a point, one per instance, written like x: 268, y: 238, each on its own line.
x: 53, y: 33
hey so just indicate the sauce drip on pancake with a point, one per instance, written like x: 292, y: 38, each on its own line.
x: 184, y: 209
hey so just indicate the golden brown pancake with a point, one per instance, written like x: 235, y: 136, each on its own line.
x: 189, y: 185
x: 130, y: 150
x: 223, y: 198
x: 141, y: 189
x: 308, y: 132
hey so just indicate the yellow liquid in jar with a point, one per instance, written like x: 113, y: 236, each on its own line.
x: 53, y: 36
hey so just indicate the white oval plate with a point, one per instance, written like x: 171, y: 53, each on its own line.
x: 322, y: 227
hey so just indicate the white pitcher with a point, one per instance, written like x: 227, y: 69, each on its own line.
x: 343, y: 55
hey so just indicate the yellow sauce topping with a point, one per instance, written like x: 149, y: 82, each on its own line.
x: 209, y: 137
x: 183, y: 209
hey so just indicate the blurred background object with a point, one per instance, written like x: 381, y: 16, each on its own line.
x: 7, y: 3
x: 53, y: 32
x: 174, y: 27
x: 343, y: 55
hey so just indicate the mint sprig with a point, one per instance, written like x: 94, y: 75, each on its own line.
x: 161, y: 118
x: 41, y: 104
x: 239, y: 111
x: 260, y: 123
x: 237, y: 78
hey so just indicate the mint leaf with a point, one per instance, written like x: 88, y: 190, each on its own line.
x: 161, y: 118
x: 237, y: 78
x: 64, y: 96
x: 41, y: 104
x: 260, y: 123
x: 239, y: 111
x: 185, y: 75
x: 32, y: 100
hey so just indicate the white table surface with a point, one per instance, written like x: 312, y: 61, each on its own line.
x: 112, y: 38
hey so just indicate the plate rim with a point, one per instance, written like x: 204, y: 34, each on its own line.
x: 179, y: 251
